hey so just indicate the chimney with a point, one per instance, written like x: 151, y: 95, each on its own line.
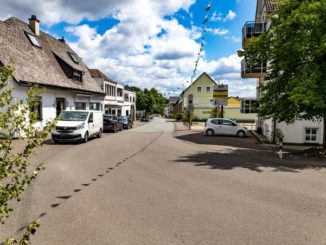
x: 62, y: 39
x: 34, y: 24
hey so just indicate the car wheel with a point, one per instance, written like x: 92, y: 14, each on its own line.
x: 209, y: 132
x: 99, y: 135
x: 115, y: 129
x: 86, y: 137
x: 241, y: 134
x: 56, y: 142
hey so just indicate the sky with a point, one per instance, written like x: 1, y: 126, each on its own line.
x: 149, y: 43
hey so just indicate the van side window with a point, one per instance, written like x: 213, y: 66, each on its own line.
x: 90, y: 117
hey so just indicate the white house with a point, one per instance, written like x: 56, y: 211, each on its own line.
x: 301, y: 131
x: 129, y: 108
x: 119, y: 99
x: 39, y: 58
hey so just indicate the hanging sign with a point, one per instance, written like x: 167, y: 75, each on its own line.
x: 220, y: 91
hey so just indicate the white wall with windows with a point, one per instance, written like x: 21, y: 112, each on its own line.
x: 302, y: 132
x: 56, y: 100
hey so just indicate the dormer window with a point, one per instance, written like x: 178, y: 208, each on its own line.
x: 73, y: 57
x: 34, y: 40
x: 77, y: 76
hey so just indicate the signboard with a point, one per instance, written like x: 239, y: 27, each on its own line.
x: 221, y: 102
x: 220, y: 91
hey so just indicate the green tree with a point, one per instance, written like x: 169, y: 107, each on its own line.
x: 188, y: 117
x: 150, y: 100
x: 295, y: 48
x: 16, y: 170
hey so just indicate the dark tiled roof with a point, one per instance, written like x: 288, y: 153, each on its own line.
x: 272, y: 6
x: 40, y: 65
x: 95, y: 73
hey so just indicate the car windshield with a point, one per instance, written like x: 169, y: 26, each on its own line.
x: 73, y: 116
x: 110, y: 117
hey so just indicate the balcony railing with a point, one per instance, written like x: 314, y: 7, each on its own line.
x: 252, y: 72
x: 252, y: 29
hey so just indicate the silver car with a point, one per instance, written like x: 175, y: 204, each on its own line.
x: 224, y: 126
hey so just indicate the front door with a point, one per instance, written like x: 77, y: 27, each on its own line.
x: 60, y: 105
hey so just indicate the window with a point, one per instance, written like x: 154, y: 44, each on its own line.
x: 90, y: 119
x: 77, y: 76
x: 34, y: 40
x: 126, y: 98
x: 228, y: 123
x: 37, y: 107
x: 208, y: 89
x: 216, y: 121
x: 199, y: 89
x: 73, y: 57
x: 249, y: 106
x: 311, y: 135
x: 95, y: 106
x: 120, y: 92
x: 80, y: 105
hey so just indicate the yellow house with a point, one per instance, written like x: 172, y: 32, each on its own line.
x: 199, y: 96
x: 240, y: 109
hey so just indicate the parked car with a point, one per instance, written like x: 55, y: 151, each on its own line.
x: 145, y: 119
x: 78, y: 126
x: 224, y: 126
x: 126, y: 122
x: 112, y: 123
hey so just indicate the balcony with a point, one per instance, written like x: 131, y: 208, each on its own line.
x: 252, y: 29
x: 252, y: 72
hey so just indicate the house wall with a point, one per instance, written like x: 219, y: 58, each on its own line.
x: 49, y: 101
x: 202, y: 101
x: 295, y: 133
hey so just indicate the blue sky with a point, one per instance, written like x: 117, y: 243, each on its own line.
x: 148, y: 43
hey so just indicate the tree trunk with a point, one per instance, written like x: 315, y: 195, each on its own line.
x: 324, y: 134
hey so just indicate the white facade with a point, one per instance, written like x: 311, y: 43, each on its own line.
x: 56, y: 100
x: 129, y: 108
x: 118, y: 101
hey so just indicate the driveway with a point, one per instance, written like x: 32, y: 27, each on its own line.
x: 161, y: 184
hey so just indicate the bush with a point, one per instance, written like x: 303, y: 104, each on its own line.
x: 177, y: 116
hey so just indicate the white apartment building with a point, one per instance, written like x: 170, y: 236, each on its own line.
x: 301, y: 131
x: 119, y: 100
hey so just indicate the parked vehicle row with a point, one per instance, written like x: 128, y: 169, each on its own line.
x: 79, y: 126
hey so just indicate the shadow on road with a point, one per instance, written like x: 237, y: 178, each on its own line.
x: 199, y: 138
x: 250, y: 159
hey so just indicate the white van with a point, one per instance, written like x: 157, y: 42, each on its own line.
x: 78, y: 126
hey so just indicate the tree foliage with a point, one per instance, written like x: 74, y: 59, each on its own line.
x: 188, y: 117
x: 17, y: 120
x: 150, y: 100
x: 295, y: 48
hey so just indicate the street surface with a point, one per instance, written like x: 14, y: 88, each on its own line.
x: 161, y: 184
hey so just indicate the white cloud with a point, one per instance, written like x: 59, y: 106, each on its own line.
x: 218, y: 31
x: 230, y: 16
x: 216, y: 17
x: 144, y: 48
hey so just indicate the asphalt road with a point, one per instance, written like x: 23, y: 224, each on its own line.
x: 159, y: 184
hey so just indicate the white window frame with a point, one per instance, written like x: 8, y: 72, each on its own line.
x: 199, y: 89
x: 310, y: 135
x: 34, y: 40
